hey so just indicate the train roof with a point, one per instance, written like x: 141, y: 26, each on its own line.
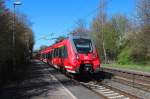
x: 83, y: 36
x: 61, y: 42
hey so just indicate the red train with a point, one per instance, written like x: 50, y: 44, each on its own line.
x: 73, y: 55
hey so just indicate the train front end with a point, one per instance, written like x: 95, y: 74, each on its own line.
x: 86, y: 58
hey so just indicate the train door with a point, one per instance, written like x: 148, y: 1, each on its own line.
x: 54, y: 58
x: 64, y: 57
x: 59, y: 59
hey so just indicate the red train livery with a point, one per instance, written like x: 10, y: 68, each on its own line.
x: 73, y: 55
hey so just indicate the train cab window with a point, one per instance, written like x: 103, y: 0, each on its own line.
x: 83, y: 45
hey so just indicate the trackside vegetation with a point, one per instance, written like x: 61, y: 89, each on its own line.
x: 120, y: 39
x: 138, y: 67
x: 14, y: 57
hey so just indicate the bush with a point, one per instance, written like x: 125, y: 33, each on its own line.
x: 139, y: 55
x: 125, y: 57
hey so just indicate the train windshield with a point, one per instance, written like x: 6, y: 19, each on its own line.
x: 83, y: 45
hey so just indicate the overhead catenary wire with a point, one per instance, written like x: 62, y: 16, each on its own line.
x: 72, y: 26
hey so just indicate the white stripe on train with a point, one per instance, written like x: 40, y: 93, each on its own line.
x: 71, y: 71
x: 67, y: 67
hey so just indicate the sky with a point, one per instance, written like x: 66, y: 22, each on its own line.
x: 60, y: 16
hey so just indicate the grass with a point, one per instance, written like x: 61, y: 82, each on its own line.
x: 144, y: 68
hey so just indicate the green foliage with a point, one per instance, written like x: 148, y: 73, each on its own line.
x: 112, y: 33
x: 139, y: 67
x: 123, y: 38
x: 125, y: 57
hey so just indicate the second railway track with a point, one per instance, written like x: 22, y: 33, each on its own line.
x: 104, y: 90
x: 136, y: 79
x: 108, y: 92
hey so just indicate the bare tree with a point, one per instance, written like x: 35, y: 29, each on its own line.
x: 98, y: 27
x: 80, y: 28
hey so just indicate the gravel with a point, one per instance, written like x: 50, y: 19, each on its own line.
x: 128, y: 89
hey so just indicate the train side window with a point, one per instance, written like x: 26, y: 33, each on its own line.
x: 57, y: 52
x: 54, y: 53
x: 60, y: 51
x: 50, y: 55
x: 64, y: 52
x: 45, y: 56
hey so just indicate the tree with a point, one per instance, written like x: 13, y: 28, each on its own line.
x: 60, y: 38
x: 43, y: 47
x: 141, y: 50
x: 109, y: 35
x: 24, y: 41
x: 99, y: 24
x: 143, y: 12
x: 80, y: 28
x: 122, y: 27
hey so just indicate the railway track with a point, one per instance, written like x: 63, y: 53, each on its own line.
x: 136, y: 79
x: 104, y: 90
x: 107, y: 92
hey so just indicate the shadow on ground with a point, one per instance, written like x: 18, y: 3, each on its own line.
x: 99, y: 76
x: 37, y: 82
